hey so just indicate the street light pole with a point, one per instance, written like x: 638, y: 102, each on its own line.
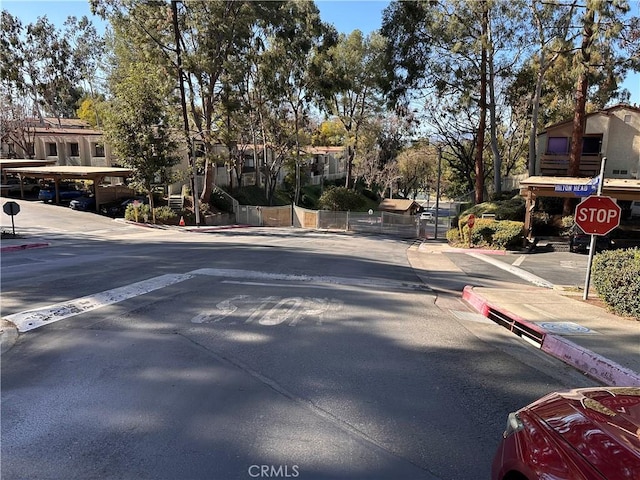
x: 438, y: 190
x: 194, y: 181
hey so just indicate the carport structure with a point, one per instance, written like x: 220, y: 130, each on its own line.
x: 539, y: 186
x: 6, y: 163
x: 57, y: 173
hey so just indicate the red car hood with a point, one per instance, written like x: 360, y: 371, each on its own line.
x: 600, y: 424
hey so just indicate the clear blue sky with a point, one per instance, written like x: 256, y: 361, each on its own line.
x: 346, y: 15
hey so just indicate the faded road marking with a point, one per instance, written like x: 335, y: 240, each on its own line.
x: 382, y: 284
x: 271, y: 310
x: 529, y: 277
x: 519, y: 260
x: 30, y: 319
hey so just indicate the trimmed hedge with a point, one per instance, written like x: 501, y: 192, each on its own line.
x: 341, y: 199
x: 164, y: 214
x: 616, y: 277
x: 488, y: 232
x: 512, y: 209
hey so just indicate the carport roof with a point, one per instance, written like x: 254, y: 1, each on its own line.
x: 71, y: 171
x: 620, y: 188
x: 23, y: 162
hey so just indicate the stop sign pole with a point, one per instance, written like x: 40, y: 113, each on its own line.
x: 11, y: 208
x: 592, y: 243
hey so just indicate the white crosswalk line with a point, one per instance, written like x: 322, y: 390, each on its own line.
x: 30, y: 319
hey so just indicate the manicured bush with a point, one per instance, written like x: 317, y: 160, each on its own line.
x: 512, y: 209
x: 140, y: 214
x: 165, y: 215
x: 482, y: 231
x: 453, y: 236
x: 341, y: 199
x: 490, y: 233
x: 507, y: 234
x: 616, y: 278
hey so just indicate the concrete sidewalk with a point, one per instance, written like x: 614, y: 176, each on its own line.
x: 583, y: 334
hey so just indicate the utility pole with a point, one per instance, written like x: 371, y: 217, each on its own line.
x: 435, y: 235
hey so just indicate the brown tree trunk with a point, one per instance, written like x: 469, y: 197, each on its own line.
x: 350, y: 156
x: 578, y: 126
x: 479, y: 170
x: 580, y: 106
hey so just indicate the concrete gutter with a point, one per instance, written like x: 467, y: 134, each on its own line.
x: 24, y: 246
x: 590, y: 363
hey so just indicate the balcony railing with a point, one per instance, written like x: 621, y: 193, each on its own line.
x: 557, y: 165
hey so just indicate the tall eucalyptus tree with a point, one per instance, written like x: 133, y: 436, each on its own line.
x: 211, y: 38
x: 47, y: 64
x: 287, y: 77
x: 454, y: 49
x: 596, y: 60
x: 439, y: 49
x: 349, y: 85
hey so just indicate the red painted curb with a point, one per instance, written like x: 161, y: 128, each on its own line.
x: 26, y: 246
x: 594, y: 365
x: 583, y: 359
x: 214, y: 228
x: 484, y: 307
x: 484, y: 251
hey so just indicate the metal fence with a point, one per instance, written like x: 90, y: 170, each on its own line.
x: 404, y: 226
x: 264, y: 216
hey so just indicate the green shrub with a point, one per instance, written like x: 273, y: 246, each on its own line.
x: 140, y: 214
x: 482, y: 231
x: 164, y: 214
x: 616, y: 277
x: 566, y: 224
x: 508, y: 234
x: 494, y: 233
x: 511, y: 209
x: 341, y: 199
x: 453, y: 236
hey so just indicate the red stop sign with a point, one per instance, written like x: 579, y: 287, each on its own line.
x: 598, y: 215
x: 471, y: 220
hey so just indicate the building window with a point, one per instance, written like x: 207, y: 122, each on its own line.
x: 199, y: 149
x: 591, y: 145
x: 627, y: 119
x: 558, y: 146
x: 74, y: 150
x: 31, y: 149
x: 52, y: 149
x: 98, y: 150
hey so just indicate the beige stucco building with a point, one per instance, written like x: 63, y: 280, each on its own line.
x: 613, y: 133
x: 70, y: 142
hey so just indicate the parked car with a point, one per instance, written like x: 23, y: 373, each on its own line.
x: 67, y: 191
x: 84, y: 203
x: 582, y: 434
x: 635, y: 209
x: 579, y: 242
x: 119, y: 207
x: 29, y: 185
x: 429, y: 214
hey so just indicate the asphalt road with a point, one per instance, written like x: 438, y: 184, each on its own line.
x: 558, y: 268
x: 257, y: 353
